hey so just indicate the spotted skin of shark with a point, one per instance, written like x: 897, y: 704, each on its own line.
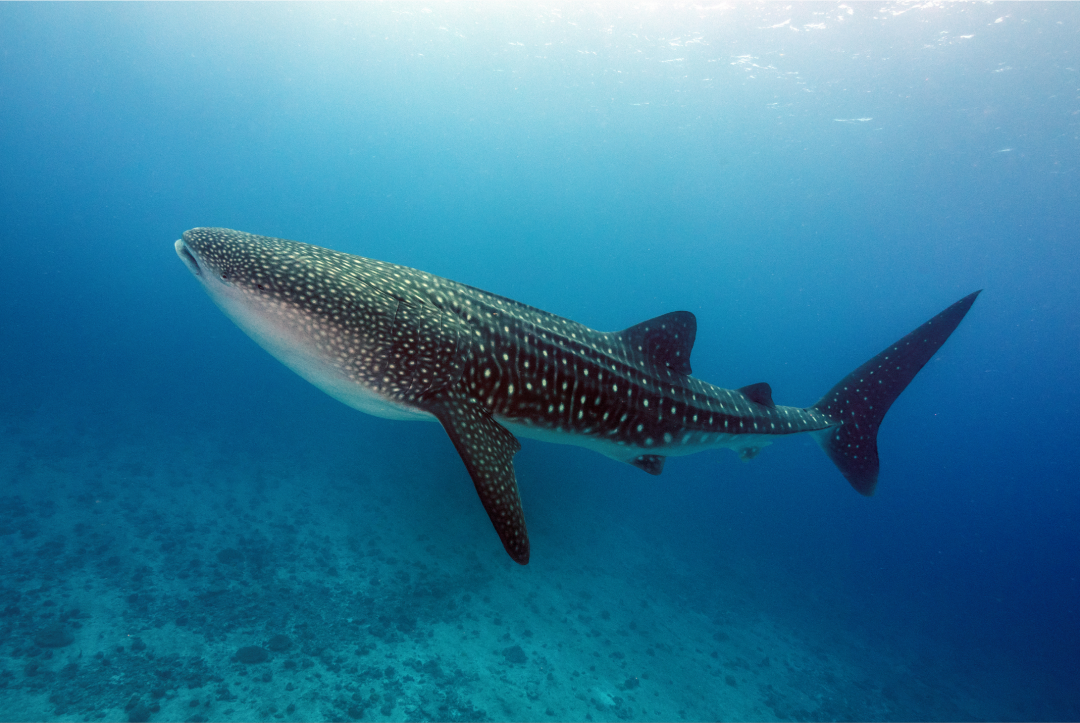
x: 400, y: 343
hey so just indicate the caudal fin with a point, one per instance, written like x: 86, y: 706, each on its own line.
x: 859, y: 402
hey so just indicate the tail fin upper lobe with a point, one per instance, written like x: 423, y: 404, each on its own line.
x: 859, y: 402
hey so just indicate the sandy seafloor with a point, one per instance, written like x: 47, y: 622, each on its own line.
x: 135, y: 566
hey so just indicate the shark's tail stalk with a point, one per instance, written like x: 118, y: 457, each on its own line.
x: 859, y: 402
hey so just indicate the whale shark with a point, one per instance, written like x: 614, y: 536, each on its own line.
x: 400, y: 343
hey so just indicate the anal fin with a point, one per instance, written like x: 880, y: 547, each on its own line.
x: 487, y: 449
x: 748, y: 453
x: 651, y: 463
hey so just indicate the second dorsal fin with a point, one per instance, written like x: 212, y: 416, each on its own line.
x: 760, y: 393
x: 666, y: 341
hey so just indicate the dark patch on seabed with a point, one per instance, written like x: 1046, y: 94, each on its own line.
x: 180, y: 579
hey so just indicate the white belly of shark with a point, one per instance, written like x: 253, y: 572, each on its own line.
x: 399, y: 343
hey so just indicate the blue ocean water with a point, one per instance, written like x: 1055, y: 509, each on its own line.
x: 192, y: 532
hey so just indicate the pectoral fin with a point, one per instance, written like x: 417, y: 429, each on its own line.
x: 488, y: 449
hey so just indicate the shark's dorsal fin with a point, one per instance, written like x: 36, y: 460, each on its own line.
x: 760, y: 393
x: 666, y: 341
x: 487, y: 449
x: 651, y: 463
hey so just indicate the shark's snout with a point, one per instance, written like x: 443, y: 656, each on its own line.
x: 187, y: 257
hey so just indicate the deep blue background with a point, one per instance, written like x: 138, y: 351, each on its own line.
x: 608, y: 165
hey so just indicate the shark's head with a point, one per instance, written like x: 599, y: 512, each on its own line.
x: 308, y: 306
x: 240, y: 271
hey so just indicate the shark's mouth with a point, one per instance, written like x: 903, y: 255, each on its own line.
x: 187, y: 257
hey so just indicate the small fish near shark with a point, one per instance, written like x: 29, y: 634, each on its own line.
x: 404, y: 344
